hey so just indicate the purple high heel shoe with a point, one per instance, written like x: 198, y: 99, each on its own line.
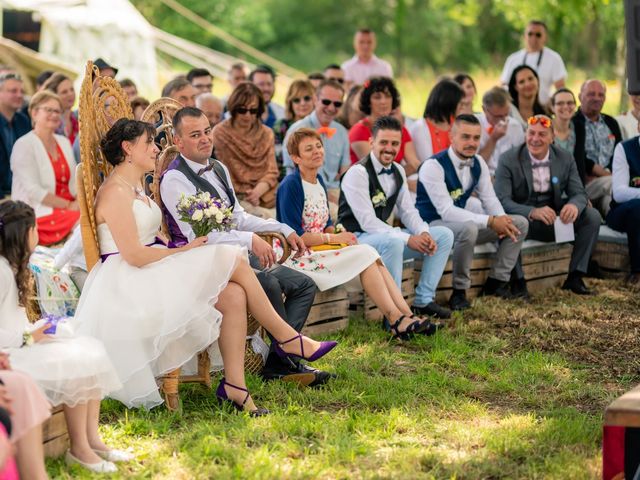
x: 325, y: 347
x: 221, y: 393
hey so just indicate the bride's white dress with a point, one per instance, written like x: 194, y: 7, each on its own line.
x: 154, y: 319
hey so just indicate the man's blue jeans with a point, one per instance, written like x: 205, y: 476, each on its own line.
x: 393, y: 251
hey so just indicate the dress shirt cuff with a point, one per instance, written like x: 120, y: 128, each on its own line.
x: 286, y: 230
x: 483, y: 220
x: 404, y: 236
x: 246, y: 239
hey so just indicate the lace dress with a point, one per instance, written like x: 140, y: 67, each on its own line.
x: 328, y: 268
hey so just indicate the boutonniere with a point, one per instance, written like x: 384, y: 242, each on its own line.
x: 379, y: 199
x: 456, y: 194
x: 635, y: 182
x: 27, y: 339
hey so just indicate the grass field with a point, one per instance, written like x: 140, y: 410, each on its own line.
x: 510, y: 390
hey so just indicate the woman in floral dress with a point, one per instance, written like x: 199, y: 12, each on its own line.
x: 335, y: 257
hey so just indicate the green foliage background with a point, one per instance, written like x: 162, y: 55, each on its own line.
x: 439, y: 35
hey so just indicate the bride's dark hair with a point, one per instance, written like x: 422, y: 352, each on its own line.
x: 16, y: 219
x: 124, y: 130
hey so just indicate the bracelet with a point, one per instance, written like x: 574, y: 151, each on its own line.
x: 326, y: 237
x: 490, y: 221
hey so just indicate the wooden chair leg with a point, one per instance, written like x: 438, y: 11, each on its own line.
x: 204, y: 368
x: 169, y: 389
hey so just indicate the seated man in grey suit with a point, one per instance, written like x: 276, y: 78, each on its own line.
x: 541, y: 182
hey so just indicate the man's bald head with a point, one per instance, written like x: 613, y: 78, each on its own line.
x: 593, y: 94
x: 211, y: 106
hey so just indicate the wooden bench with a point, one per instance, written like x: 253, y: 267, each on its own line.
x: 545, y: 266
x: 361, y: 304
x: 612, y: 251
x: 621, y: 437
x: 329, y: 313
x: 55, y: 437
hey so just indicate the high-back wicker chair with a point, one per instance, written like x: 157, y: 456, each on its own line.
x: 160, y: 113
x: 102, y: 102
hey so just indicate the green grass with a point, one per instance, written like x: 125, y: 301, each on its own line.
x: 511, y: 390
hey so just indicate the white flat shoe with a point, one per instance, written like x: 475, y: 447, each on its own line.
x: 115, y: 455
x: 100, y: 467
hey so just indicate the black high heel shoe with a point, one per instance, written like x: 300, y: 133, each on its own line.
x: 221, y: 393
x: 429, y: 327
x: 413, y: 328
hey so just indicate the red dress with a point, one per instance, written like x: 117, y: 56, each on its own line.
x: 55, y: 227
x: 439, y: 138
x: 361, y: 132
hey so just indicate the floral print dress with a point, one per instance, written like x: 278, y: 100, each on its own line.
x: 328, y: 268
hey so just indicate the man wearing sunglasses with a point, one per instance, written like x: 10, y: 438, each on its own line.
x: 13, y: 124
x: 540, y: 181
x: 334, y: 72
x: 547, y: 63
x: 328, y: 100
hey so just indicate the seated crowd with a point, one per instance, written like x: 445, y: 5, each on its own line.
x: 354, y: 187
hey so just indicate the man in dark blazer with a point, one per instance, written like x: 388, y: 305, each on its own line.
x: 541, y: 182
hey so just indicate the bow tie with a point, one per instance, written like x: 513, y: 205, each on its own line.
x: 386, y: 171
x: 544, y: 164
x: 465, y: 163
x: 329, y: 132
x: 205, y: 169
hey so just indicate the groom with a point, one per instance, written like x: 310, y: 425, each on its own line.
x: 193, y: 170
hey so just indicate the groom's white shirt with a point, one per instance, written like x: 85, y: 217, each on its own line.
x: 174, y: 184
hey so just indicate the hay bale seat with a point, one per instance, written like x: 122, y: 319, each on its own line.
x: 329, y: 313
x: 361, y: 304
x: 621, y: 437
x: 612, y: 251
x: 545, y: 266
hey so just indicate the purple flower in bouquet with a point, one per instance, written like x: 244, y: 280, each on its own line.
x: 205, y: 214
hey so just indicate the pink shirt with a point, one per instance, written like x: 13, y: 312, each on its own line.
x: 357, y: 71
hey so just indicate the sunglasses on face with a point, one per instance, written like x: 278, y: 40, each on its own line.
x: 326, y: 102
x: 534, y: 34
x: 245, y: 110
x: 335, y: 79
x: 541, y: 119
x: 306, y: 98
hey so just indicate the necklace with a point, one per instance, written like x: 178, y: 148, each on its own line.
x: 138, y: 190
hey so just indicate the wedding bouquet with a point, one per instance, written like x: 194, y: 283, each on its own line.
x: 204, y: 213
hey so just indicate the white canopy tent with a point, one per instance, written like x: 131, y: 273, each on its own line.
x: 74, y: 31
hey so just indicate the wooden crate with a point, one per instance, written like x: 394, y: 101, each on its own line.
x: 612, y: 256
x: 545, y: 266
x: 621, y: 437
x: 329, y: 313
x: 361, y: 304
x: 55, y: 437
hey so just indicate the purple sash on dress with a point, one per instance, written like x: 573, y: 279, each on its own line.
x: 157, y: 241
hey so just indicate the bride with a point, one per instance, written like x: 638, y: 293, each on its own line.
x: 154, y: 308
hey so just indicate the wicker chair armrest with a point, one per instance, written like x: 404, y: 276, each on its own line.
x: 269, y: 237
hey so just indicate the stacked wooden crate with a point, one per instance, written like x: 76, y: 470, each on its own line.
x: 329, y: 313
x: 361, y: 304
x: 55, y: 437
x: 545, y: 265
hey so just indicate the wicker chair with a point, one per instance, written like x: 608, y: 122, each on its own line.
x: 102, y: 102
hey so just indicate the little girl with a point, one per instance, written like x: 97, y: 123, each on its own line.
x: 73, y: 371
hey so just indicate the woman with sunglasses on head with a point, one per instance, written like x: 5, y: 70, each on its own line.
x: 44, y: 170
x: 524, y: 88
x: 298, y: 104
x: 379, y: 98
x: 247, y: 149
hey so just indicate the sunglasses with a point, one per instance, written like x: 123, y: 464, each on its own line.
x: 326, y: 102
x: 541, y: 119
x: 245, y: 110
x: 534, y: 34
x: 306, y: 98
x: 336, y: 79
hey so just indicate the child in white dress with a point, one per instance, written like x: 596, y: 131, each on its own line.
x: 71, y: 370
